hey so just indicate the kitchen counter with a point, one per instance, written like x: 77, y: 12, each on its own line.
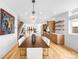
x: 55, y: 38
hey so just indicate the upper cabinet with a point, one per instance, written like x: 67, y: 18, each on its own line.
x: 59, y: 25
x: 73, y: 22
x: 6, y: 22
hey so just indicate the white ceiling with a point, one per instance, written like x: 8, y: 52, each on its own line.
x: 44, y: 8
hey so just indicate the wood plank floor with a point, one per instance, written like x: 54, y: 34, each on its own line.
x: 61, y: 52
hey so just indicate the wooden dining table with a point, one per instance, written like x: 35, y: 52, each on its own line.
x: 39, y: 43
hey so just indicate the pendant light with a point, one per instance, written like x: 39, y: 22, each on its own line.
x: 33, y: 11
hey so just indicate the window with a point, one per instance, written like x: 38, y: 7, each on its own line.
x: 73, y: 22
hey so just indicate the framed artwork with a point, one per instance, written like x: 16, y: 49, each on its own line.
x: 6, y: 23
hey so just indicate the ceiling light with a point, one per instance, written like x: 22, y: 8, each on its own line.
x: 33, y: 12
x: 32, y: 17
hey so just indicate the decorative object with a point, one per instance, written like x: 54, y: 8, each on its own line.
x: 6, y: 23
x: 33, y: 39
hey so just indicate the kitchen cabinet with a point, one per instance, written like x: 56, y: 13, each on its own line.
x: 60, y: 39
x: 55, y: 38
x: 59, y: 26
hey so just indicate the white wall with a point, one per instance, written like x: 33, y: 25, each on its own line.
x: 8, y: 41
x: 70, y: 40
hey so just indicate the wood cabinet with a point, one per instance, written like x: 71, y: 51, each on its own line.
x: 16, y: 53
x: 56, y: 38
x: 59, y: 26
x: 53, y: 38
x: 60, y: 39
x: 51, y: 25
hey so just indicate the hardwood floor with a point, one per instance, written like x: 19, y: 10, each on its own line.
x: 54, y: 52
x: 61, y: 52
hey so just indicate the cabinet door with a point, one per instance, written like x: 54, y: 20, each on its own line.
x: 60, y: 39
x: 53, y: 38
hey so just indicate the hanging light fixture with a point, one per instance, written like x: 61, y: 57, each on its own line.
x: 33, y: 11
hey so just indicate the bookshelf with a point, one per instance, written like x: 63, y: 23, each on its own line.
x: 59, y: 25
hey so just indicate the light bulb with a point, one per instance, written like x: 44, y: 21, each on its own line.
x: 32, y: 17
